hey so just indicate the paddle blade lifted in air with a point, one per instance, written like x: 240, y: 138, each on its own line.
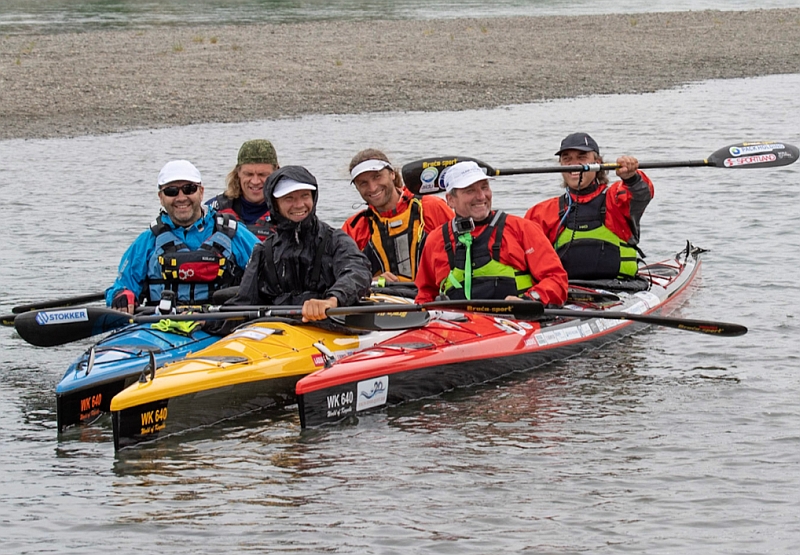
x: 425, y: 176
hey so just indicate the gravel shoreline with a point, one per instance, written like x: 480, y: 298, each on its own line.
x: 98, y: 82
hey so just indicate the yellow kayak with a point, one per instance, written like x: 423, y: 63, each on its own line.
x: 255, y: 367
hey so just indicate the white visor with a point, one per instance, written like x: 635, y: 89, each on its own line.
x: 368, y: 166
x: 288, y: 185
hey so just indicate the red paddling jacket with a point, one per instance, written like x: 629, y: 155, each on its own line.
x: 523, y: 247
x: 596, y: 232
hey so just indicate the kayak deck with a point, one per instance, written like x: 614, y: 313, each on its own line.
x: 460, y: 350
x: 257, y: 366
x: 106, y: 368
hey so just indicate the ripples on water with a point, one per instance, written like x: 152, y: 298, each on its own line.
x: 25, y: 16
x: 666, y: 442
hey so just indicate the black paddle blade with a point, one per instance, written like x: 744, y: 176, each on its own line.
x: 45, y: 328
x: 758, y: 154
x: 722, y: 329
x: 708, y: 327
x: 425, y: 176
x: 387, y: 321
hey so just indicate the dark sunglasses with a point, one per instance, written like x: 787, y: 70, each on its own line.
x: 173, y: 190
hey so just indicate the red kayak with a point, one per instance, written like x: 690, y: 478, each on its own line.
x: 458, y: 349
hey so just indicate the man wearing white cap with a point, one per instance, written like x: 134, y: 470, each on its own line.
x: 187, y: 250
x: 391, y: 231
x: 487, y: 254
x: 304, y: 260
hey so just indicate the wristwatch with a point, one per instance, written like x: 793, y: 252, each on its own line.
x: 534, y: 296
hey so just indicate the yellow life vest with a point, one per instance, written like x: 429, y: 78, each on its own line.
x: 396, y: 242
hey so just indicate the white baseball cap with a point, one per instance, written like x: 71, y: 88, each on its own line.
x: 178, y: 170
x: 288, y: 185
x: 368, y: 166
x: 462, y: 175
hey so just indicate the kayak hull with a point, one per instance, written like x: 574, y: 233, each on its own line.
x: 469, y: 349
x: 85, y: 391
x: 177, y: 415
x: 255, y: 367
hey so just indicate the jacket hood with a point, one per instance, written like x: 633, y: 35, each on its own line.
x: 298, y: 173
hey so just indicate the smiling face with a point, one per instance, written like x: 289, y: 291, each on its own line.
x: 296, y: 206
x: 252, y: 178
x: 473, y: 202
x: 576, y: 158
x: 183, y: 210
x: 377, y: 188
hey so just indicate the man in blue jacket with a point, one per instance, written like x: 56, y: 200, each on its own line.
x: 188, y: 249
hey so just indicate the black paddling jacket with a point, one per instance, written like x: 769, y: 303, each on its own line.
x: 305, y: 260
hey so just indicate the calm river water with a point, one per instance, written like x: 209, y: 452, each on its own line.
x: 667, y: 442
x: 21, y: 16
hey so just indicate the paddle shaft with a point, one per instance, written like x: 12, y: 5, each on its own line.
x: 48, y: 328
x: 528, y: 309
x: 68, y: 301
x: 425, y: 176
x: 489, y: 306
x: 722, y: 329
x: 599, y: 167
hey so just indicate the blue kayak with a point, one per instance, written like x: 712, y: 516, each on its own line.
x: 109, y: 366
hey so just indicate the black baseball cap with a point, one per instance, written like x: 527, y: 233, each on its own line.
x: 578, y: 141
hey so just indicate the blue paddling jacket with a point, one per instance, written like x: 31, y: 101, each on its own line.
x: 184, y: 259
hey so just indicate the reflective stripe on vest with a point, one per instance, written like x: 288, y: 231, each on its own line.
x: 585, y: 231
x: 491, y: 279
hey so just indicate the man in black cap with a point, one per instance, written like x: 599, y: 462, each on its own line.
x: 594, y: 226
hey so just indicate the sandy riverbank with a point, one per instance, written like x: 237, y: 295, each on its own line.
x: 106, y: 81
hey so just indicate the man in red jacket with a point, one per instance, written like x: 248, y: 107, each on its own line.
x: 484, y: 253
x: 392, y: 230
x: 594, y: 226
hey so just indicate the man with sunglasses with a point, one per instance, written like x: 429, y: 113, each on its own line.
x: 189, y: 249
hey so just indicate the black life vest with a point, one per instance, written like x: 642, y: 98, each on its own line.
x: 284, y: 291
x: 224, y: 205
x: 491, y: 279
x: 587, y: 248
